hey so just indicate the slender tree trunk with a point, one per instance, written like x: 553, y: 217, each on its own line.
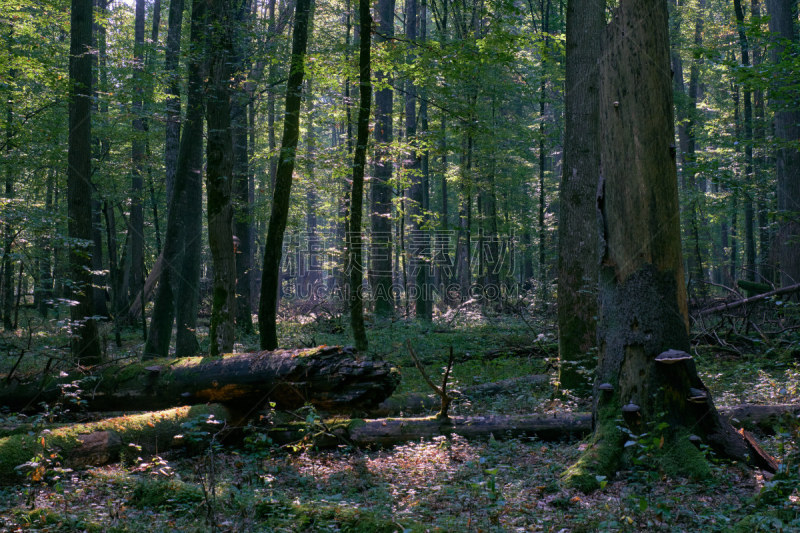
x: 357, y: 192
x: 787, y: 128
x: 380, y: 273
x: 173, y: 98
x: 542, y: 156
x: 267, y: 308
x: 765, y: 270
x: 45, y: 280
x: 577, y: 226
x: 749, y: 214
x: 85, y: 345
x: 177, y: 289
x: 136, y: 218
x: 6, y: 282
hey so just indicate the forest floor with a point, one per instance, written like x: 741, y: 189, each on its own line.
x: 447, y: 484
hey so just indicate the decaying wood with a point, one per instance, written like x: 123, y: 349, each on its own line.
x: 331, y: 378
x: 388, y: 431
x: 101, y: 442
x: 733, y: 305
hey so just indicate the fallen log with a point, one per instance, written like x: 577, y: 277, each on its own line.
x: 382, y: 432
x: 329, y: 377
x: 389, y: 431
x: 99, y: 443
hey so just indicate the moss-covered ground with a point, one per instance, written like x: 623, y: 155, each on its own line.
x: 443, y: 485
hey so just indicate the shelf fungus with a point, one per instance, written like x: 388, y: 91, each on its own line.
x: 606, y: 388
x: 631, y: 414
x: 697, y: 396
x: 670, y: 357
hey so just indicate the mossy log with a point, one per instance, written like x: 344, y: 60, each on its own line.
x: 101, y: 442
x: 331, y: 378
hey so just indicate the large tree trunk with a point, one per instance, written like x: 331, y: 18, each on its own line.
x: 267, y: 308
x: 380, y: 273
x: 357, y: 192
x: 219, y: 174
x: 647, y: 375
x: 329, y: 377
x: 787, y: 131
x: 85, y: 343
x: 175, y: 274
x: 577, y: 226
x: 243, y: 224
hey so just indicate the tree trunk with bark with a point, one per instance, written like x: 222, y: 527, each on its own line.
x: 267, y: 308
x: 179, y: 267
x: 85, y: 343
x: 380, y: 273
x: 646, y: 375
x: 355, y: 262
x: 787, y: 131
x: 577, y: 226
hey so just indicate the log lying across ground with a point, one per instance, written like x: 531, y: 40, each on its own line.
x: 99, y: 443
x: 331, y: 378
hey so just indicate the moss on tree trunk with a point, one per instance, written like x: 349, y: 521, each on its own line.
x: 646, y: 380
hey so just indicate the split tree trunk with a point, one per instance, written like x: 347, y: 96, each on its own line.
x: 328, y: 377
x: 643, y: 303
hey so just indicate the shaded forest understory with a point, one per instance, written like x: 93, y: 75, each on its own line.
x: 399, y: 265
x: 254, y: 482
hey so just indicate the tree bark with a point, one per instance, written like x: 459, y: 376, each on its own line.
x: 173, y: 98
x: 787, y: 131
x: 380, y: 273
x: 643, y: 322
x: 577, y: 227
x: 85, y: 345
x: 136, y: 217
x: 267, y: 308
x: 357, y: 192
x: 224, y: 17
x: 329, y: 377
